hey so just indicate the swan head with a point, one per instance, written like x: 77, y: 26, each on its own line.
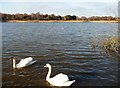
x: 13, y: 58
x: 47, y: 65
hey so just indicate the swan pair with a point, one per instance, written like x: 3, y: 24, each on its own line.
x: 58, y: 80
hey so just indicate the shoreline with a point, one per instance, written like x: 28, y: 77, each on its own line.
x: 101, y: 21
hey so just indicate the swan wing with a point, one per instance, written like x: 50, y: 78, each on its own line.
x: 29, y: 59
x: 31, y: 62
x: 68, y: 83
x: 59, y: 79
x: 25, y: 62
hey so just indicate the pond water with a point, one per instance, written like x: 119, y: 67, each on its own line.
x: 66, y: 46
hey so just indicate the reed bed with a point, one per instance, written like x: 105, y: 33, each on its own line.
x: 110, y: 45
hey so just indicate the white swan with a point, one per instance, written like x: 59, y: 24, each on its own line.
x: 23, y: 63
x: 58, y: 80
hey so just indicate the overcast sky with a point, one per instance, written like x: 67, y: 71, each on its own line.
x: 62, y: 7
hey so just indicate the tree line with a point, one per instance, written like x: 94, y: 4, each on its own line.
x: 38, y: 16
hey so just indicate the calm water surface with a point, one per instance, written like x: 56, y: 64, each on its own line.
x: 66, y: 46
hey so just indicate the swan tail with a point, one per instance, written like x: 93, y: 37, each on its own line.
x: 68, y: 83
x: 32, y: 62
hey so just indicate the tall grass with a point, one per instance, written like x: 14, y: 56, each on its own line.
x: 108, y: 44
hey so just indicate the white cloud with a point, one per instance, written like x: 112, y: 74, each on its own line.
x: 62, y: 8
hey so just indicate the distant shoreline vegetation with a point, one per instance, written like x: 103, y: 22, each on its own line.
x: 37, y: 17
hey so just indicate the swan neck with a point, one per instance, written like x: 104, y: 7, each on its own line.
x: 14, y: 63
x: 49, y: 73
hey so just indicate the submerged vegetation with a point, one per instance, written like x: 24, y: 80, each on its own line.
x: 38, y: 17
